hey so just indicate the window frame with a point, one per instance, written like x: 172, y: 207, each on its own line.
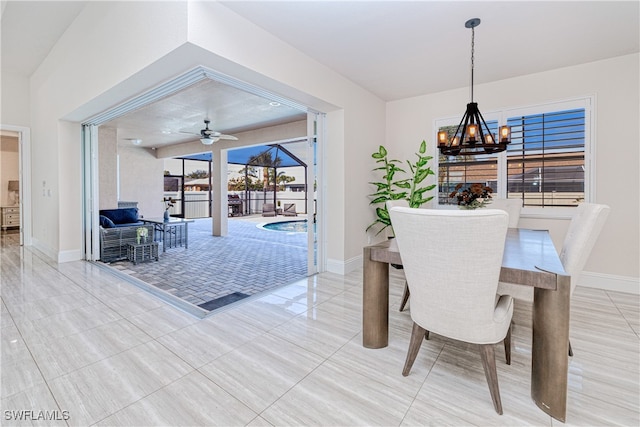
x: 550, y: 212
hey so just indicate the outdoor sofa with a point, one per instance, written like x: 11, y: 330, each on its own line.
x: 118, y: 228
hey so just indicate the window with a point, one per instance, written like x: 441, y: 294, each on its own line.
x: 546, y: 164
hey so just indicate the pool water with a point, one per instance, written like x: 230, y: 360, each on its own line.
x: 290, y: 226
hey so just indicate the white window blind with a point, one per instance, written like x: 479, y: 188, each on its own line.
x: 546, y: 165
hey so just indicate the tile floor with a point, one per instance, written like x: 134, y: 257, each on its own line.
x: 86, y: 348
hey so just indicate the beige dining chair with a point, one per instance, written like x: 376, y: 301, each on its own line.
x: 458, y: 303
x: 404, y: 204
x: 511, y: 206
x: 585, y: 227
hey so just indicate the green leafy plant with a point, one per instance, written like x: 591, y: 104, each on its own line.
x: 411, y: 189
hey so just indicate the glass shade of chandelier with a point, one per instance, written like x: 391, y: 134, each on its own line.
x: 472, y: 135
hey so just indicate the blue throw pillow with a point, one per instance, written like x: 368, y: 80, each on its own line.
x: 106, y: 222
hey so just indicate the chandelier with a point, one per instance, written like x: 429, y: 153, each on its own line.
x: 473, y: 136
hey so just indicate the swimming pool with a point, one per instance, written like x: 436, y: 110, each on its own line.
x: 289, y: 226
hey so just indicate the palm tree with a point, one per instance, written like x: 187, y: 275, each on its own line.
x: 266, y: 160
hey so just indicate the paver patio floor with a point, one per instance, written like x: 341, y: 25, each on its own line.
x: 249, y: 260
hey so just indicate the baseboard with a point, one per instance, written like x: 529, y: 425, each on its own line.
x: 68, y: 256
x: 344, y: 267
x: 44, y: 249
x: 62, y: 256
x: 610, y: 282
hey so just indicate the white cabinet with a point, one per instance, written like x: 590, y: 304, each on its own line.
x: 10, y: 216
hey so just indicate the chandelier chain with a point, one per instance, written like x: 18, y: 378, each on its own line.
x: 473, y: 38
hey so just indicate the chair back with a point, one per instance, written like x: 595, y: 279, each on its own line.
x: 403, y: 203
x: 452, y: 262
x: 511, y: 206
x: 584, y: 229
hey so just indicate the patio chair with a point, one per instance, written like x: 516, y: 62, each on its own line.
x: 289, y: 209
x: 268, y: 209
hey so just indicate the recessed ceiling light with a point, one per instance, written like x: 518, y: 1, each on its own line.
x: 274, y: 104
x: 166, y: 132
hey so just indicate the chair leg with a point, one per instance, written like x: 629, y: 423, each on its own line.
x: 417, y: 334
x: 405, y: 296
x: 570, y: 349
x: 489, y: 365
x: 507, y: 346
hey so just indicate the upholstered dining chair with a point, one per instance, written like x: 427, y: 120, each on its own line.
x: 511, y: 206
x: 404, y: 204
x: 585, y: 227
x: 448, y: 299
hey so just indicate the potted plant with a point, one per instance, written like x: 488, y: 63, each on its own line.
x: 168, y: 204
x: 412, y: 189
x: 476, y: 196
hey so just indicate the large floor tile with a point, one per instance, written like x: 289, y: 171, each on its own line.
x: 162, y: 320
x: 76, y: 351
x: 267, y: 312
x: 33, y: 406
x: 92, y: 393
x: 259, y: 372
x: 57, y: 326
x: 334, y: 395
x: 175, y: 405
x: 318, y: 332
x: 208, y: 339
x: 18, y: 370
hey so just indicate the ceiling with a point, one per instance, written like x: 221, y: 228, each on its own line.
x: 180, y: 117
x: 394, y: 49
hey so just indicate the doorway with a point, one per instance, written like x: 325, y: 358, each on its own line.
x: 311, y: 205
x: 15, y: 182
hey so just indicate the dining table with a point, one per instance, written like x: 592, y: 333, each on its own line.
x: 529, y: 259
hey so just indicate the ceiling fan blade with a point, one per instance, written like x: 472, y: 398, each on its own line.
x: 229, y: 137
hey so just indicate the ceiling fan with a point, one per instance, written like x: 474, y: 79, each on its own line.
x: 209, y: 136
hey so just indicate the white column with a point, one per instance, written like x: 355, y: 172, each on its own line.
x: 219, y: 189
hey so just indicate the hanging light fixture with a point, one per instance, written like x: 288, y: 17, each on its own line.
x: 473, y: 136
x: 208, y: 140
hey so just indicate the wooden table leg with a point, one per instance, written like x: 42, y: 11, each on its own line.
x: 550, y: 348
x: 375, y: 302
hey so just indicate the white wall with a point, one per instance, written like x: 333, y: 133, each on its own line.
x: 14, y: 100
x: 141, y: 179
x: 108, y: 168
x: 105, y: 45
x: 615, y: 85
